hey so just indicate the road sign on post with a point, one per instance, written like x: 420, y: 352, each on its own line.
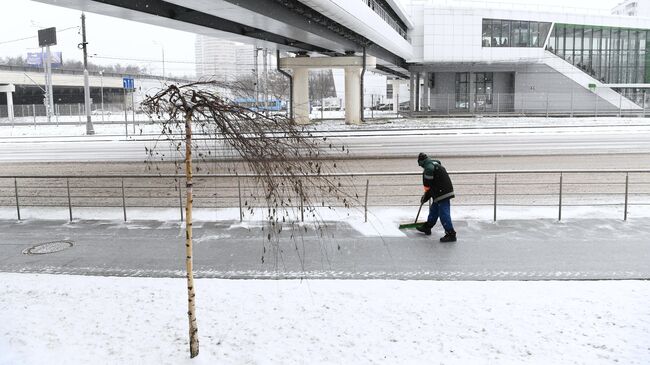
x: 128, y: 84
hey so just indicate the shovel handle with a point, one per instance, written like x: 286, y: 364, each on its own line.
x: 418, y: 215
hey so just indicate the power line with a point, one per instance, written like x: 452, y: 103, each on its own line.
x: 32, y: 37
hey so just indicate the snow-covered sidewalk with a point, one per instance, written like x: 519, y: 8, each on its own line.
x: 48, y: 319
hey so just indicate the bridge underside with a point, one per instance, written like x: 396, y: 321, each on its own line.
x: 283, y: 24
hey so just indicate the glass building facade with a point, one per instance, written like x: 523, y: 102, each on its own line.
x: 514, y: 33
x: 610, y: 55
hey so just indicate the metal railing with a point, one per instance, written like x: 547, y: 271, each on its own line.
x: 620, y: 190
x: 538, y: 104
x: 387, y: 17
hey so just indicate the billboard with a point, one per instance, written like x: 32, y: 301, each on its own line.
x: 36, y: 59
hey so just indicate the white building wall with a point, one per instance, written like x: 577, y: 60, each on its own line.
x: 453, y: 34
x: 633, y: 8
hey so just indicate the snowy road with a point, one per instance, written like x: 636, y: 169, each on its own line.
x: 507, y: 250
x: 442, y: 143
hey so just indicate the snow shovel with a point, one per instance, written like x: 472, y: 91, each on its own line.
x: 415, y: 224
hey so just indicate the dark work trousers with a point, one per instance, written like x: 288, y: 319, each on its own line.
x: 441, y: 209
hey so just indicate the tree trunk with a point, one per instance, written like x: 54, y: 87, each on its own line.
x: 194, y: 331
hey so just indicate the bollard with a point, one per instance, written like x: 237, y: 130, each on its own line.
x: 180, y: 199
x: 559, y: 215
x: 67, y: 181
x: 123, y: 201
x: 17, y: 202
x: 627, y: 180
x: 495, y: 197
x: 241, y: 211
x: 365, y: 204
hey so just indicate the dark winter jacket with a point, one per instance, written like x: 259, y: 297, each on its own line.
x: 436, y: 181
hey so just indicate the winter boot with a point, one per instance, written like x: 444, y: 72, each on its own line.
x: 425, y: 228
x: 450, y: 236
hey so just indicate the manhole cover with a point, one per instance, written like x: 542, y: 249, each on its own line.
x: 48, y: 247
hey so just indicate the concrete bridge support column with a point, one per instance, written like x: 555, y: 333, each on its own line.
x: 424, y: 104
x: 300, y: 97
x: 352, y: 66
x: 353, y: 95
x: 9, y: 89
x: 397, y: 99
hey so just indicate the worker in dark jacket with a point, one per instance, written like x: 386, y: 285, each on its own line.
x: 437, y: 185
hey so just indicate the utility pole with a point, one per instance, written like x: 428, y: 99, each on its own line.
x: 255, y: 76
x: 163, y: 58
x: 265, y: 76
x: 49, y: 94
x: 83, y: 46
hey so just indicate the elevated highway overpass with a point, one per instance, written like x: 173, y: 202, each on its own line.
x: 349, y: 29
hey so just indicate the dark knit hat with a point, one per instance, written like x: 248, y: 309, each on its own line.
x: 422, y: 156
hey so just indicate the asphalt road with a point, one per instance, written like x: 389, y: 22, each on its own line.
x: 507, y: 250
x: 364, y: 144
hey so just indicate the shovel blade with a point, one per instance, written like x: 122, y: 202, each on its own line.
x: 410, y: 225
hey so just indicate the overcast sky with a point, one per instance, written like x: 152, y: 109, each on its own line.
x: 113, y: 40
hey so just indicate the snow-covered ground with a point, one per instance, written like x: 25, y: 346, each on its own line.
x: 382, y: 221
x: 25, y: 128
x: 49, y: 319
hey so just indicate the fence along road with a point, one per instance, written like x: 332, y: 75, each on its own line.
x: 621, y: 190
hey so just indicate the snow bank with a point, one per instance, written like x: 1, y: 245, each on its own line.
x: 382, y: 221
x: 48, y: 319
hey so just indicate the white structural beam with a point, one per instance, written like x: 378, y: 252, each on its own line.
x: 300, y: 97
x: 352, y: 66
x: 9, y: 89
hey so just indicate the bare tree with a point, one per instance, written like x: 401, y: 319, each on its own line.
x: 284, y: 159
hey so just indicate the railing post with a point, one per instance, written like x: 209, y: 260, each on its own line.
x: 241, y: 212
x: 302, y: 210
x: 627, y: 180
x: 497, y: 105
x: 495, y: 197
x: 559, y: 215
x: 620, y: 104
x: 643, y: 108
x: 34, y: 114
x: 546, y: 105
x: 372, y: 106
x: 365, y: 203
x: 180, y: 199
x: 67, y: 182
x: 448, y: 105
x: 123, y: 200
x: 17, y: 201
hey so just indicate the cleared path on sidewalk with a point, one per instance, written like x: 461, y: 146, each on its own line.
x: 507, y: 250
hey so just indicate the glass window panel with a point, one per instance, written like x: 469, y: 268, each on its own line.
x: 505, y: 33
x: 494, y: 35
x: 552, y: 46
x: 524, y: 36
x: 486, y: 32
x: 568, y: 40
x: 543, y: 32
x: 561, y: 45
x: 534, y: 34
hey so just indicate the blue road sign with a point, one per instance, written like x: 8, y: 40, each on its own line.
x: 128, y: 83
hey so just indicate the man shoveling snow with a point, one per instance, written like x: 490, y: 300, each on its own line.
x: 437, y: 185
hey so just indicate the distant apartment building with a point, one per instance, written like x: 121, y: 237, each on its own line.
x: 633, y: 8
x: 225, y: 60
